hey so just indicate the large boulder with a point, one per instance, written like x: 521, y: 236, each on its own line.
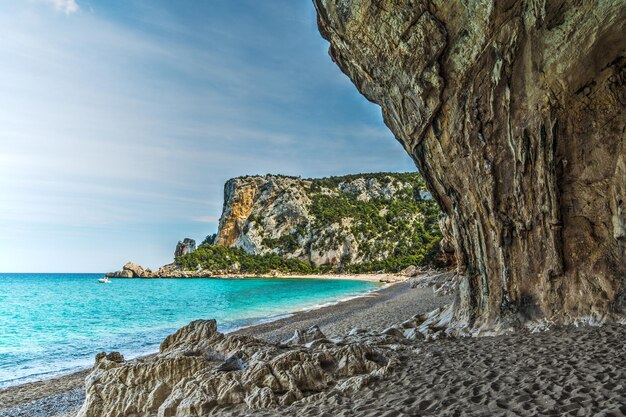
x: 120, y: 274
x: 136, y: 270
x: 129, y: 270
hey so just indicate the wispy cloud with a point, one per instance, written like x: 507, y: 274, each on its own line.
x: 65, y: 6
x: 119, y: 127
x: 206, y: 219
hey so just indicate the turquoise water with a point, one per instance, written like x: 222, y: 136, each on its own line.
x: 56, y: 323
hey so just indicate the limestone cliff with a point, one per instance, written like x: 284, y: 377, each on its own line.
x: 184, y: 247
x: 515, y: 112
x: 339, y: 220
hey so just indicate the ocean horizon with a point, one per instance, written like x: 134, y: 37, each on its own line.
x: 55, y: 323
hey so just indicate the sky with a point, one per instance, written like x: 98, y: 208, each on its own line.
x: 120, y: 121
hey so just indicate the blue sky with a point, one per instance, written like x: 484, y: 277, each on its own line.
x: 121, y: 120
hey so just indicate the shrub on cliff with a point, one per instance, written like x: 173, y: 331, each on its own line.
x: 353, y: 223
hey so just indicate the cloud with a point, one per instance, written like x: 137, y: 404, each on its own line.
x: 66, y: 6
x: 142, y: 113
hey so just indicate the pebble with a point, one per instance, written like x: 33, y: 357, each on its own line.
x: 61, y: 405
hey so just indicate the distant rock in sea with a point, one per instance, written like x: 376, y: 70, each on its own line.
x: 129, y: 270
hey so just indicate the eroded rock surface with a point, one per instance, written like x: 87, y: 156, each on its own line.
x: 199, y: 368
x: 129, y: 270
x: 515, y: 113
x: 184, y: 247
x: 302, y: 218
x: 442, y: 283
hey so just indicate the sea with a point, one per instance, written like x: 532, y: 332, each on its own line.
x: 51, y: 324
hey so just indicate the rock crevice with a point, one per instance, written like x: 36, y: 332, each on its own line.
x: 199, y: 368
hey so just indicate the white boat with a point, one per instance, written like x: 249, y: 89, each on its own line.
x: 104, y: 280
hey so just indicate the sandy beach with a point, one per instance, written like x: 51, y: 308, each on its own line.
x: 565, y: 371
x: 371, y: 277
x: 63, y: 395
x: 568, y: 371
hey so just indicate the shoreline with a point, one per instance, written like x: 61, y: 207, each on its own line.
x: 339, y: 315
x: 369, y: 277
x: 258, y: 321
x: 520, y: 373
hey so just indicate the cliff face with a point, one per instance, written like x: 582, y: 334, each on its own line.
x: 184, y: 247
x: 354, y: 219
x: 515, y: 112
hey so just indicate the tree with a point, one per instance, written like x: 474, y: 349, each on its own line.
x: 210, y: 240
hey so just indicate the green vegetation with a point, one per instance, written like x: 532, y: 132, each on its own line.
x: 383, y: 177
x: 405, y: 227
x: 392, y: 233
x: 210, y: 239
x: 285, y: 243
x: 217, y: 258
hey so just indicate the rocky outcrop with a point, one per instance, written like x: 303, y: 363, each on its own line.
x: 515, y: 113
x: 327, y: 221
x: 133, y: 270
x: 442, y: 283
x: 129, y: 270
x: 184, y: 247
x: 199, y: 368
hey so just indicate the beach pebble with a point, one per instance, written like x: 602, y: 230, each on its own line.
x: 62, y: 405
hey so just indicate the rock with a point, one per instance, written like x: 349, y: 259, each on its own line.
x: 261, y: 398
x: 301, y: 337
x: 413, y: 334
x: 233, y: 363
x: 393, y: 331
x: 108, y: 361
x: 442, y: 283
x: 274, y: 214
x: 409, y: 324
x: 120, y: 274
x: 199, y: 368
x: 184, y: 247
x: 514, y: 112
x: 136, y: 270
x: 129, y: 270
x: 355, y: 384
x: 435, y: 335
x: 115, y: 357
x: 409, y: 271
x: 132, y: 270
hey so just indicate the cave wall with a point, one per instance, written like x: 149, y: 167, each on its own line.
x: 515, y: 112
